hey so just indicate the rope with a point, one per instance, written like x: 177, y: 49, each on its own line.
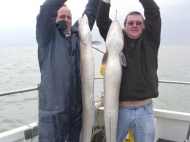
x: 116, y: 11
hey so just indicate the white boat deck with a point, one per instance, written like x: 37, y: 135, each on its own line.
x: 170, y: 125
x: 26, y: 133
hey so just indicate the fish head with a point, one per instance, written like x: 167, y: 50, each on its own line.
x: 84, y: 30
x: 115, y: 39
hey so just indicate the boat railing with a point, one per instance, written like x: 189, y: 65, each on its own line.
x: 37, y: 87
x: 31, y: 131
x: 20, y: 91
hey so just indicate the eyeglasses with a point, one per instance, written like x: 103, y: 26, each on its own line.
x: 131, y: 23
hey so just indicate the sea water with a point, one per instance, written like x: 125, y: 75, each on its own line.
x: 19, y: 69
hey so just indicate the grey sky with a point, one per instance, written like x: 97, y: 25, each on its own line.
x: 18, y: 20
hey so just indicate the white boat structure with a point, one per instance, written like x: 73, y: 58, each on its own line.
x: 171, y: 126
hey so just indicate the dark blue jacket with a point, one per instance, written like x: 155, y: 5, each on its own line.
x: 59, y: 60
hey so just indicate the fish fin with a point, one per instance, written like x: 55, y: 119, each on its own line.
x: 104, y: 59
x: 123, y: 60
x: 80, y: 138
x: 93, y: 118
x: 96, y: 42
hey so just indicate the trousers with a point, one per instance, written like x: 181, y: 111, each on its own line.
x: 140, y: 120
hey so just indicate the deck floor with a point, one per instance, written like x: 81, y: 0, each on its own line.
x: 162, y: 140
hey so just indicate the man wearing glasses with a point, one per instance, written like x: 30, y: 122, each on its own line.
x: 139, y: 82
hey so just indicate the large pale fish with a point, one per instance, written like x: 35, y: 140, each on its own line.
x: 112, y: 79
x: 87, y: 79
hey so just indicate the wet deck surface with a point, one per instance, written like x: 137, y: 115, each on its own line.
x: 162, y: 140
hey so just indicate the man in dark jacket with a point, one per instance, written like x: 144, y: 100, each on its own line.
x: 60, y: 103
x: 139, y: 82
